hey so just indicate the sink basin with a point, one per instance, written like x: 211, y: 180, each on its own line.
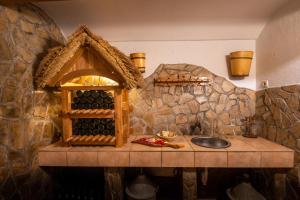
x: 210, y: 142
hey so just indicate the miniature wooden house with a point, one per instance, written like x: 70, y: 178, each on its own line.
x: 94, y: 79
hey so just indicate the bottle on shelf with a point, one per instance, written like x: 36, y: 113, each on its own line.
x: 93, y: 126
x: 92, y: 99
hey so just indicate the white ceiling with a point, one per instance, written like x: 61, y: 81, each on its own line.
x: 132, y: 20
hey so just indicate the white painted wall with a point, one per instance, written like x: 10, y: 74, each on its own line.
x: 278, y: 48
x: 209, y: 54
x: 142, y: 20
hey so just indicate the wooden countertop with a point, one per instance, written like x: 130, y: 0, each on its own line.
x: 243, y: 153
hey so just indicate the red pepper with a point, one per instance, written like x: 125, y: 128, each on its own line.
x: 161, y: 142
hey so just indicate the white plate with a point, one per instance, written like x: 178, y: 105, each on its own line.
x: 166, y: 138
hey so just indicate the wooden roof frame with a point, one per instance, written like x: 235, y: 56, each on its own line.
x: 60, y: 59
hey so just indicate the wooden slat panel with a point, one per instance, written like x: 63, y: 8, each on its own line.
x: 89, y: 113
x: 66, y: 68
x: 97, y: 140
x: 125, y: 109
x: 89, y: 87
x: 66, y: 107
x: 118, y: 118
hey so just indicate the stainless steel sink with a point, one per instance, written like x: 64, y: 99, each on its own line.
x: 210, y: 142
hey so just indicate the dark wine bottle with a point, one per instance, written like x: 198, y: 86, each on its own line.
x: 95, y: 131
x: 97, y: 121
x: 80, y: 106
x: 79, y: 93
x: 76, y: 99
x: 109, y: 126
x: 90, y: 99
x: 74, y: 106
x: 99, y: 100
x: 101, y: 127
x: 95, y: 94
x: 106, y: 132
x: 94, y: 105
x: 86, y: 93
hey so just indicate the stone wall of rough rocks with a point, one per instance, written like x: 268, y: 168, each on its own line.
x: 278, y: 118
x: 28, y: 119
x: 156, y: 108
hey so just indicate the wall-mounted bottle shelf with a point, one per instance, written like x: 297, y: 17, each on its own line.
x: 183, y: 80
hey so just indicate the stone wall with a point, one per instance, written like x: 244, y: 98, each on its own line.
x: 278, y: 118
x: 28, y: 119
x: 156, y: 108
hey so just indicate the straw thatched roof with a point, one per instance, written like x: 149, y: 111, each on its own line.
x: 59, y: 56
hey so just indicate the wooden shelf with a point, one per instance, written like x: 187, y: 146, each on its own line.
x: 89, y: 87
x: 89, y: 113
x: 78, y: 140
x: 182, y: 81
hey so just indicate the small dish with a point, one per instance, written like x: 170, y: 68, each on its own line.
x: 165, y: 137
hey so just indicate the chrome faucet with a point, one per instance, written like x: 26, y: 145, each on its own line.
x: 248, y: 122
x: 213, y: 128
x: 196, y: 126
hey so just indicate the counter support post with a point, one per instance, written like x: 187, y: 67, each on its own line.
x: 279, y: 186
x: 114, y: 183
x: 189, y: 184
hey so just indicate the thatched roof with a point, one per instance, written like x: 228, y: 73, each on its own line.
x: 57, y: 57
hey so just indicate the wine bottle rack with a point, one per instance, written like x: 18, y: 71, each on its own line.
x: 89, y: 113
x: 91, y: 140
x: 84, y: 108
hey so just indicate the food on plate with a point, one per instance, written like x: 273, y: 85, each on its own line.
x: 167, y: 134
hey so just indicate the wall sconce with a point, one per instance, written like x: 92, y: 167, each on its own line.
x: 139, y: 60
x: 240, y: 63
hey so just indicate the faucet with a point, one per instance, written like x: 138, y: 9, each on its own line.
x: 213, y: 128
x: 248, y: 122
x: 196, y: 126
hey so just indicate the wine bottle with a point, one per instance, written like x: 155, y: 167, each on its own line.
x: 95, y: 131
x: 106, y: 132
x: 99, y: 100
x: 79, y: 93
x: 109, y: 126
x: 95, y: 94
x: 93, y: 126
x: 90, y: 99
x: 74, y: 106
x: 101, y: 127
x: 86, y: 93
x: 94, y: 105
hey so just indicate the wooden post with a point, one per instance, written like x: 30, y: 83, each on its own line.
x: 125, y: 107
x: 279, y: 186
x: 118, y: 118
x: 66, y: 107
x: 114, y: 183
x: 189, y: 184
